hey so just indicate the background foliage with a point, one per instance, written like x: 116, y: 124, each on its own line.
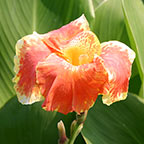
x: 122, y: 20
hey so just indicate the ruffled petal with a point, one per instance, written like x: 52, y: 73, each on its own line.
x: 68, y: 88
x: 89, y: 80
x: 55, y: 81
x: 56, y: 38
x: 118, y: 59
x: 29, y: 51
x: 82, y: 48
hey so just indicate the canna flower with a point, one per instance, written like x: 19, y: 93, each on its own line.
x: 69, y: 68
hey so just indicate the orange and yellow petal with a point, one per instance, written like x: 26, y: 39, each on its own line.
x: 56, y: 38
x: 68, y: 88
x: 55, y: 82
x: 82, y: 48
x: 118, y: 59
x: 29, y: 51
x: 89, y: 80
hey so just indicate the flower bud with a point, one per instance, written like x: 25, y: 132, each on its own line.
x: 62, y: 136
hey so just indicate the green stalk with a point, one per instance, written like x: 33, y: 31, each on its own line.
x: 77, y: 126
x: 75, y: 133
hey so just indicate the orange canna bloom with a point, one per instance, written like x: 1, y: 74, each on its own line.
x: 70, y: 68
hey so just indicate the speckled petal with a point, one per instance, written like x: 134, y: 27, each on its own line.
x: 55, y: 81
x: 56, y: 38
x: 29, y: 51
x: 68, y: 88
x: 118, y: 59
x: 89, y: 80
x: 82, y: 48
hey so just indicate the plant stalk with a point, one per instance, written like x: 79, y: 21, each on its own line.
x: 77, y: 126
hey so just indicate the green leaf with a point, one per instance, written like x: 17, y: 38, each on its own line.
x: 134, y: 19
x: 29, y: 124
x: 108, y: 22
x: 141, y: 92
x: 135, y: 84
x: 120, y: 123
x: 89, y: 7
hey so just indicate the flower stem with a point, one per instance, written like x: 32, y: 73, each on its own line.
x: 75, y: 133
x: 77, y: 126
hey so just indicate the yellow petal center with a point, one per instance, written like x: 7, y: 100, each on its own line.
x: 82, y: 48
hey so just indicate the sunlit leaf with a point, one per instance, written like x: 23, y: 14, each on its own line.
x: 134, y: 19
x: 108, y: 23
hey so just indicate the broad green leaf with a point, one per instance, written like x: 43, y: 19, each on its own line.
x: 108, y: 22
x: 120, y: 123
x: 135, y: 84
x: 134, y: 19
x: 21, y: 124
x: 89, y: 7
x: 141, y: 92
